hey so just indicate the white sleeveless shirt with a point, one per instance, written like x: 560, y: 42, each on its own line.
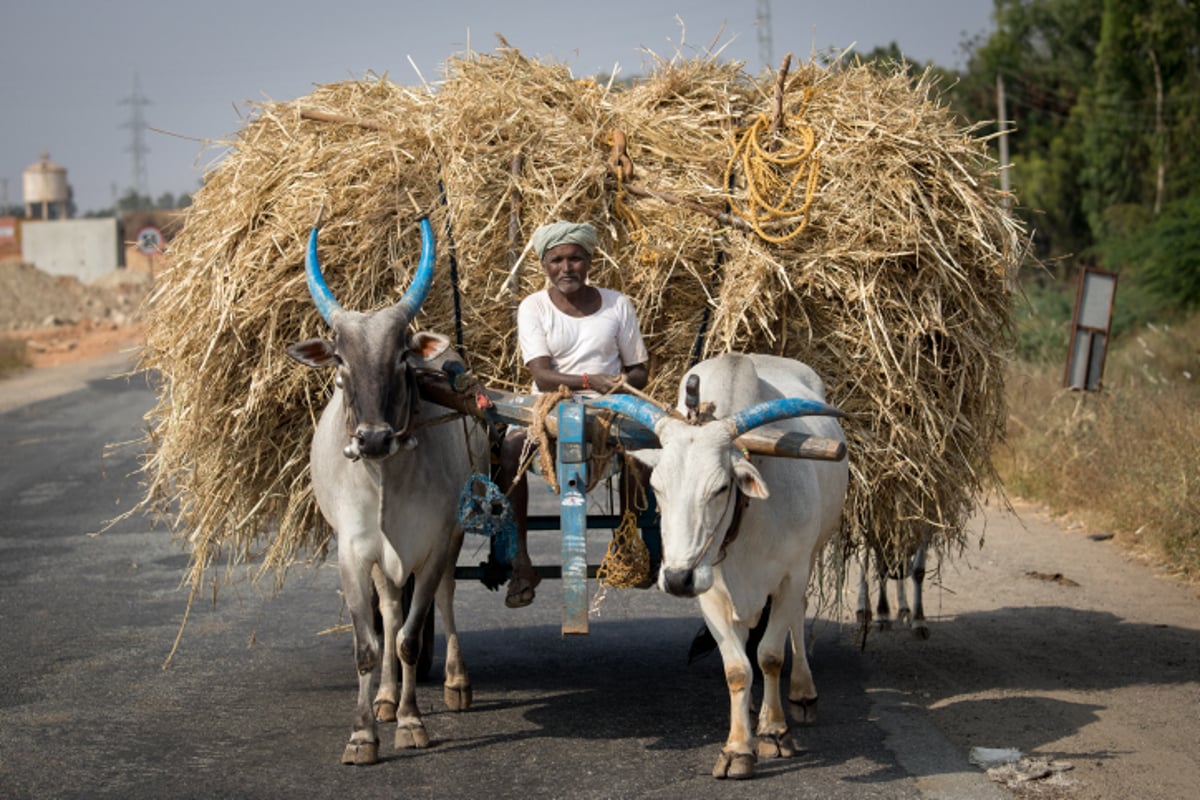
x: 599, y: 344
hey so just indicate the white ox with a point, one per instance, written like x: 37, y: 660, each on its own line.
x: 392, y: 506
x: 697, y: 475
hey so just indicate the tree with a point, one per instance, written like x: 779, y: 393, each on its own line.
x: 1104, y: 101
x: 133, y: 201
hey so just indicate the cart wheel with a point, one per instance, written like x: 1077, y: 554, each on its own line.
x: 425, y: 656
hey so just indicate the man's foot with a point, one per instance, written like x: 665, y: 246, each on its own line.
x: 521, y: 588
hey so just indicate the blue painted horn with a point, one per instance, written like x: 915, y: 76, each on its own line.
x: 326, y: 303
x: 635, y: 408
x: 408, y: 305
x: 418, y: 290
x: 775, y: 410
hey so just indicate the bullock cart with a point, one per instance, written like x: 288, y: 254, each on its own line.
x: 892, y: 279
x: 832, y: 215
x: 573, y: 424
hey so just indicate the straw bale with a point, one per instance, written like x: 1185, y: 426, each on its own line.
x: 886, y: 268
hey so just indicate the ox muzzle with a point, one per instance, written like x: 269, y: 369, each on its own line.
x: 685, y: 581
x: 375, y: 442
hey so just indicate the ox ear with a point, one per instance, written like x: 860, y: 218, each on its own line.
x: 313, y: 353
x: 749, y: 479
x: 428, y: 345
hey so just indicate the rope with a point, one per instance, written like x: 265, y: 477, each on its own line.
x: 620, y: 166
x: 627, y: 562
x: 540, y: 438
x: 451, y: 250
x: 774, y: 170
x: 602, y: 448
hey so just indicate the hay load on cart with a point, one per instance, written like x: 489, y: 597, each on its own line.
x: 834, y: 214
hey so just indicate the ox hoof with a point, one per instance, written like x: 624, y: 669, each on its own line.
x: 408, y: 738
x: 920, y: 631
x: 385, y: 710
x: 805, y: 710
x: 737, y: 766
x: 458, y: 698
x: 361, y: 754
x: 778, y: 745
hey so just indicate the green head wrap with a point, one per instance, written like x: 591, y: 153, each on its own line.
x: 556, y: 233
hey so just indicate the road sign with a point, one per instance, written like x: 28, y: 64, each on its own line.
x: 149, y: 240
x: 1089, y: 331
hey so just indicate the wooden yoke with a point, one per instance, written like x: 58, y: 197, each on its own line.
x: 460, y: 392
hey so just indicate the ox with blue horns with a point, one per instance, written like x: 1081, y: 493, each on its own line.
x: 739, y: 529
x: 386, y: 472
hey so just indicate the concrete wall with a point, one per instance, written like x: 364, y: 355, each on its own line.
x: 84, y: 248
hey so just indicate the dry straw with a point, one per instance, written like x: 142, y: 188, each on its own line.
x: 888, y: 272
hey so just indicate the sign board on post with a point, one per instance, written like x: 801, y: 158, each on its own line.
x: 149, y: 240
x: 1089, y: 329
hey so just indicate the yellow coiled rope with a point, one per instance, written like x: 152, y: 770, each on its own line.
x: 775, y: 161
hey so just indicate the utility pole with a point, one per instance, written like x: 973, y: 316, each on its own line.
x: 137, y: 125
x: 1005, y: 180
x: 1002, y: 112
x: 762, y: 19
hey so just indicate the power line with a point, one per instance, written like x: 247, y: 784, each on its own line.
x: 137, y: 125
x: 762, y: 19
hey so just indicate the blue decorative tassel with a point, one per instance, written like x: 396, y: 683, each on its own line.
x: 484, y: 510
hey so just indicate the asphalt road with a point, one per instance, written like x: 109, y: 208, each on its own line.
x: 258, y: 699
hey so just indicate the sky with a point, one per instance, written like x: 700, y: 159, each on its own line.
x: 70, y: 67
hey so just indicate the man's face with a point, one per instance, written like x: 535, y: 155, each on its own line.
x: 567, y: 267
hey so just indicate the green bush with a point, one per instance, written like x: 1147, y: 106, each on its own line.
x: 1162, y: 256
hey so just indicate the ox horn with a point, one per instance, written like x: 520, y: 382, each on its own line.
x: 326, y: 303
x: 418, y: 290
x: 775, y: 410
x: 635, y: 408
x: 408, y: 305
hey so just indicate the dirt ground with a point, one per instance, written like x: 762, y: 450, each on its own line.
x: 1050, y: 640
x: 1054, y: 642
x: 81, y: 341
x: 63, y: 320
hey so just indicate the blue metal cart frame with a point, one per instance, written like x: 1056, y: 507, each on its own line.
x: 569, y: 424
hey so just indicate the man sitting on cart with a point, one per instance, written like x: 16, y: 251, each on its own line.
x: 571, y: 334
